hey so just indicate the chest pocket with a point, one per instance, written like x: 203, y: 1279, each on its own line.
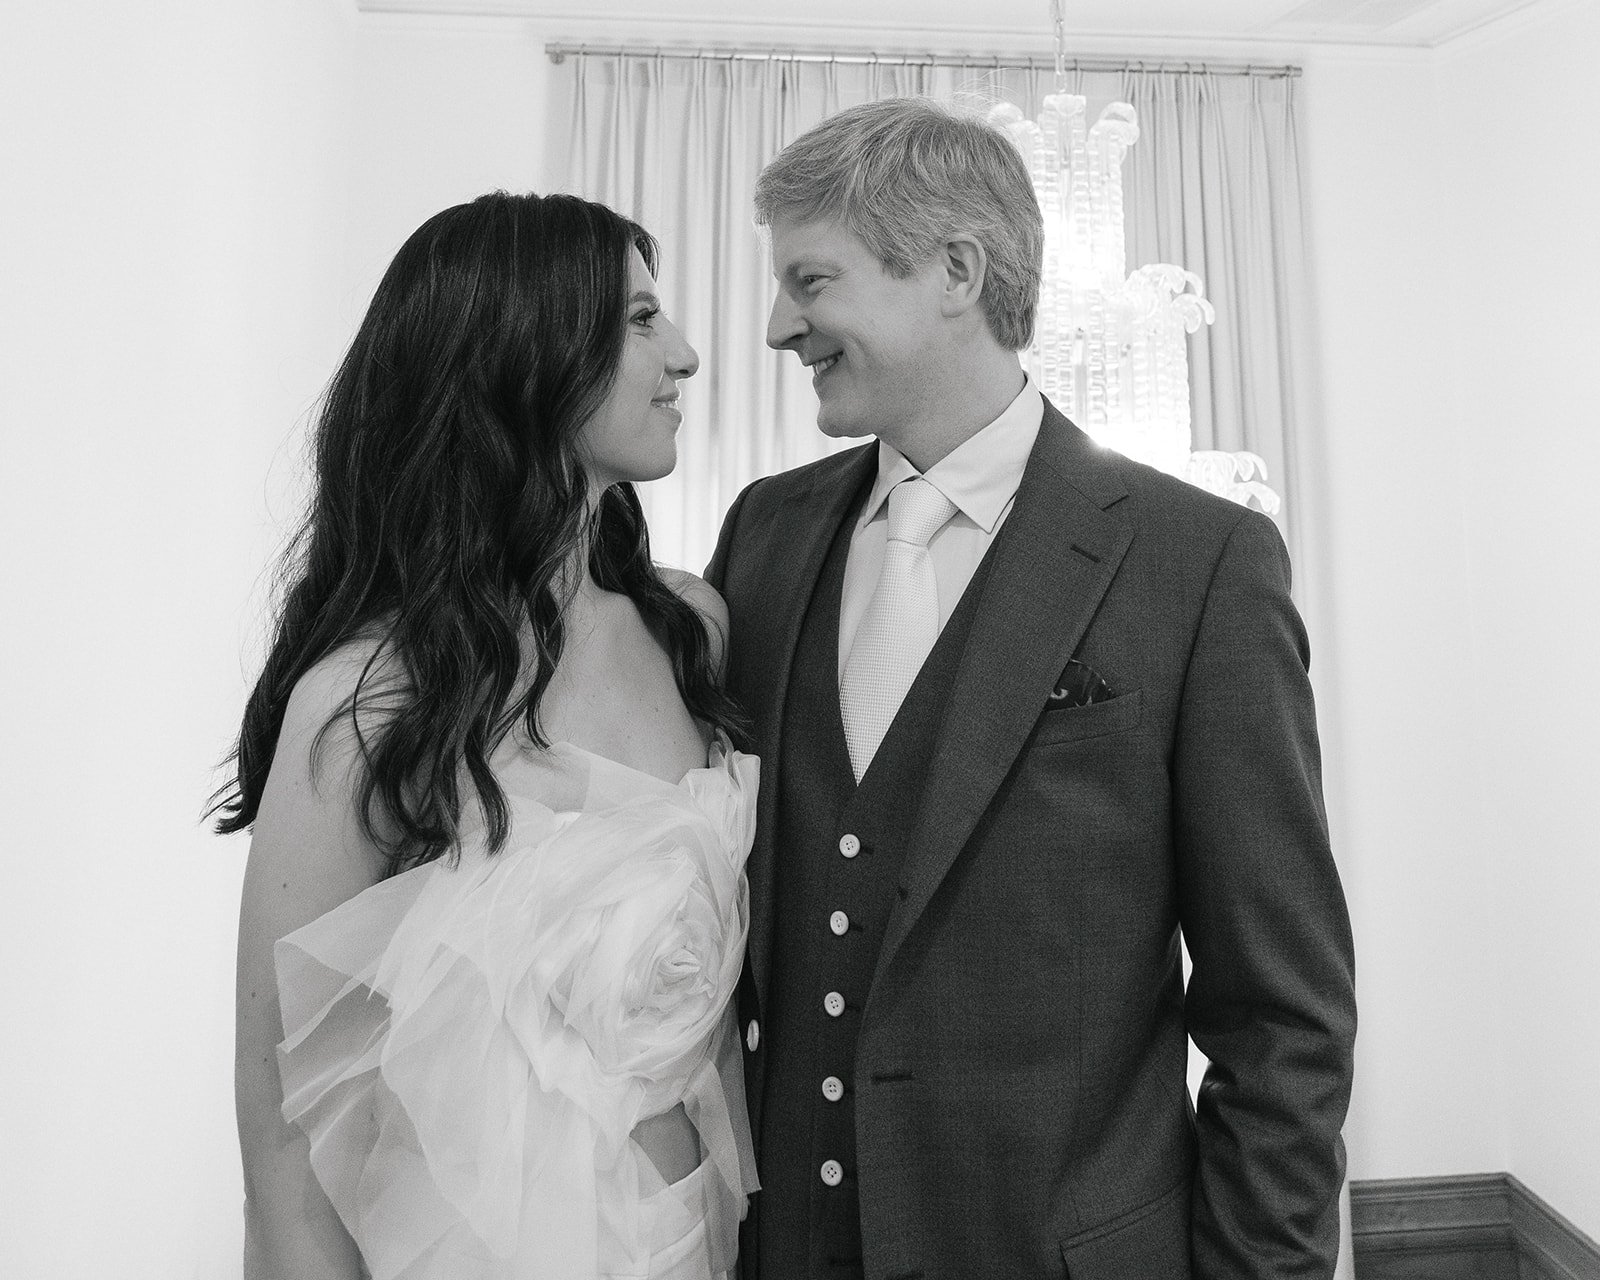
x: 1071, y: 724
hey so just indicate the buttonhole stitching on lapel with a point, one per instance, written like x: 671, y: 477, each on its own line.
x: 1086, y: 553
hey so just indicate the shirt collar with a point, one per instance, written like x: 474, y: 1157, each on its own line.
x: 981, y: 475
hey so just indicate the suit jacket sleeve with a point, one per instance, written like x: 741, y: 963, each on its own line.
x: 717, y: 570
x: 1271, y: 998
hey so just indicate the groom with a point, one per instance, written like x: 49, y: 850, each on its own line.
x: 1025, y: 711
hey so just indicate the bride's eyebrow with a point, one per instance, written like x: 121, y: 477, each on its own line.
x: 644, y: 295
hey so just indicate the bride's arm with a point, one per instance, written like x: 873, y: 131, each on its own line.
x: 307, y: 855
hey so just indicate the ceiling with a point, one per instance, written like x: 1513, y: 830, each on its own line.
x: 1398, y: 23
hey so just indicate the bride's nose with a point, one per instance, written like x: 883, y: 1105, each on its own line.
x: 682, y: 359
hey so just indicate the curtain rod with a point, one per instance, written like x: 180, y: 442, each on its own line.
x: 559, y: 52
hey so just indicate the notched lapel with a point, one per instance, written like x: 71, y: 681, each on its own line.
x: 784, y: 555
x: 1052, y: 563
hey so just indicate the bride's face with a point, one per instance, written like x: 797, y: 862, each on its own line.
x: 633, y: 435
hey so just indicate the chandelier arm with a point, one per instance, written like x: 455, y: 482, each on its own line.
x: 1059, y: 22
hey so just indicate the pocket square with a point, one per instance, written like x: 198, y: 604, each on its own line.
x: 1079, y: 686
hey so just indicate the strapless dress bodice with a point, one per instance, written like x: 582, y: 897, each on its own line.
x: 470, y: 1044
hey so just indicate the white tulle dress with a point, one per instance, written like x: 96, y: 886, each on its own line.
x: 469, y: 1045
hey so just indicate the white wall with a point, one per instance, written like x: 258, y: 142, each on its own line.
x: 1522, y: 162
x: 1454, y: 201
x: 444, y: 111
x: 173, y: 269
x: 1392, y: 655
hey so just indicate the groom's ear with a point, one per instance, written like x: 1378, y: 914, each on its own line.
x: 965, y: 265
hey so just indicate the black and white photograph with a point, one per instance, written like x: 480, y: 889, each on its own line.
x: 892, y: 639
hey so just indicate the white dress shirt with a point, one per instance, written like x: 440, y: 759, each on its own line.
x: 980, y: 476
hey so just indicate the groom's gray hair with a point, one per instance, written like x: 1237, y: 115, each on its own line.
x: 905, y: 174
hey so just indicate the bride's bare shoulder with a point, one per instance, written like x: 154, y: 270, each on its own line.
x: 308, y: 807
x: 707, y: 601
x: 354, y: 687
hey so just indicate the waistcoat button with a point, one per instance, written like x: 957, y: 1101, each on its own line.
x: 833, y: 1003
x: 833, y: 1088
x: 832, y: 1172
x: 752, y: 1035
x: 839, y: 923
x: 849, y: 845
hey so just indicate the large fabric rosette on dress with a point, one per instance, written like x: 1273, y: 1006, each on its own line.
x: 470, y: 1044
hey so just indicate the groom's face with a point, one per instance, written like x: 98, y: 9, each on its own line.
x: 871, y: 339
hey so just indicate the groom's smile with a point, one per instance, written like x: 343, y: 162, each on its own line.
x: 872, y: 340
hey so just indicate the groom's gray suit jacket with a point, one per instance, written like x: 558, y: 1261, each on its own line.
x: 1019, y: 1077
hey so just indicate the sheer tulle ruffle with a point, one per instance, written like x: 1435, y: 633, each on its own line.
x: 469, y: 1047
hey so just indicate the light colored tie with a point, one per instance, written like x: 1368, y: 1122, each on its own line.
x: 900, y: 625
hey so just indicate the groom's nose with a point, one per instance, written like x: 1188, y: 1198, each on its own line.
x: 785, y: 325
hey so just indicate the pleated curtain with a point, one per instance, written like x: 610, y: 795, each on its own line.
x: 676, y: 142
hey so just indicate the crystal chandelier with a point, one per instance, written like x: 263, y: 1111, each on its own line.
x: 1109, y: 347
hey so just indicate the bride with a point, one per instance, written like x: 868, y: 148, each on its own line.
x: 494, y: 909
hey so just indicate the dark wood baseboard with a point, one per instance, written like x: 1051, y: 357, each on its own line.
x: 1480, y: 1226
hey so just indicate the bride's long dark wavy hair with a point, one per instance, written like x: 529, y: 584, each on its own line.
x: 450, y: 496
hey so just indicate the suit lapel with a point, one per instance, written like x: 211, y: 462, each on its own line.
x: 1052, y: 562
x: 787, y: 558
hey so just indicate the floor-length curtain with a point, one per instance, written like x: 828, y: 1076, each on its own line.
x: 677, y: 142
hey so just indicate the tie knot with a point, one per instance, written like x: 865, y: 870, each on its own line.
x: 917, y: 511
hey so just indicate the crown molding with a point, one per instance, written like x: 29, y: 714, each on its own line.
x: 1493, y: 31
x: 578, y: 26
x: 958, y: 37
